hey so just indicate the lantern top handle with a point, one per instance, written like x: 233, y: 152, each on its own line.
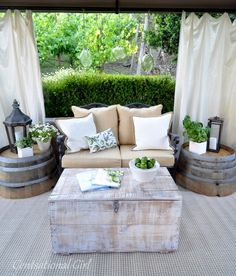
x: 216, y: 119
x: 15, y: 104
x: 17, y: 117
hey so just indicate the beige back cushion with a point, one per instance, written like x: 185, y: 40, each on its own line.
x: 126, y: 125
x: 104, y: 117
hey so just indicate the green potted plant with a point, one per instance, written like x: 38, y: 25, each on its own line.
x: 24, y: 147
x: 197, y: 135
x: 42, y: 134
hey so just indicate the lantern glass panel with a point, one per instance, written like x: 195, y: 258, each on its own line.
x: 14, y: 134
x: 19, y: 133
x: 215, y: 130
x: 214, y: 136
x: 215, y: 124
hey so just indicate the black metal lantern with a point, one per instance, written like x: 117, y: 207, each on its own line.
x: 215, y: 124
x: 16, y: 125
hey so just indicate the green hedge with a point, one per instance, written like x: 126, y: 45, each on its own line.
x: 64, y: 90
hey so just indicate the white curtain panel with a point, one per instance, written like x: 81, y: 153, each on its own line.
x: 20, y: 76
x: 206, y: 73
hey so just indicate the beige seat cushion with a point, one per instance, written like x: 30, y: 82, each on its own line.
x: 109, y: 158
x: 164, y: 157
x: 126, y: 125
x: 104, y: 117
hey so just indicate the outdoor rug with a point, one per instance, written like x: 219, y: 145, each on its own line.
x: 207, y: 243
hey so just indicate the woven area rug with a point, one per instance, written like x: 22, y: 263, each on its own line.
x: 207, y: 243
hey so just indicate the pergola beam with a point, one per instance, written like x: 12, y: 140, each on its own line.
x: 120, y: 5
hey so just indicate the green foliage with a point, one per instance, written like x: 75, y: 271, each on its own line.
x: 100, y: 33
x: 54, y: 35
x: 145, y: 162
x: 68, y: 34
x: 165, y: 32
x: 25, y: 142
x: 69, y: 87
x: 195, y: 130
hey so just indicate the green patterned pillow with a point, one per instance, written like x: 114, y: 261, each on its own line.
x: 101, y: 141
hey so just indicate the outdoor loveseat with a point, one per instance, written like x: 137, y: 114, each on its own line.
x: 120, y: 120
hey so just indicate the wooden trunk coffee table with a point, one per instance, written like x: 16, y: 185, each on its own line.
x: 135, y: 217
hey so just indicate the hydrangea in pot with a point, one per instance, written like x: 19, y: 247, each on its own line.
x: 24, y: 147
x: 197, y: 134
x: 42, y: 134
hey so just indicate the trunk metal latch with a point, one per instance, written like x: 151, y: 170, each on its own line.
x: 116, y: 206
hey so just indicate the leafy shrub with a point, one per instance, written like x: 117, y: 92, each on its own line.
x: 68, y: 87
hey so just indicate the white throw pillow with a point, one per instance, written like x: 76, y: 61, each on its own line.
x: 75, y: 130
x: 152, y: 132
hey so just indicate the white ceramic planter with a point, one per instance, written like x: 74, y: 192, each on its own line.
x: 143, y: 175
x: 43, y: 146
x: 25, y: 152
x: 198, y: 148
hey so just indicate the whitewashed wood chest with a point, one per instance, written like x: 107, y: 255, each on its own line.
x: 136, y: 217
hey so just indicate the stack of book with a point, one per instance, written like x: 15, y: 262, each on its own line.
x: 100, y: 179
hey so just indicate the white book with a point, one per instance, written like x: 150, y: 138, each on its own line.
x: 86, y: 181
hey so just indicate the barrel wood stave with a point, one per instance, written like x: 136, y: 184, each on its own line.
x: 24, y: 174
x: 209, y: 174
x: 6, y: 159
x: 29, y: 182
x: 205, y: 161
x: 26, y: 177
x: 27, y: 191
x: 214, y: 175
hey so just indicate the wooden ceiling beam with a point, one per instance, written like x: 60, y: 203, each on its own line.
x: 120, y: 5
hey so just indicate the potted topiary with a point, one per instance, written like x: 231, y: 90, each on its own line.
x: 24, y: 147
x: 197, y: 135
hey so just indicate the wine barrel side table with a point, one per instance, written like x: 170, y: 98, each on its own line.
x: 212, y: 174
x: 28, y: 176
